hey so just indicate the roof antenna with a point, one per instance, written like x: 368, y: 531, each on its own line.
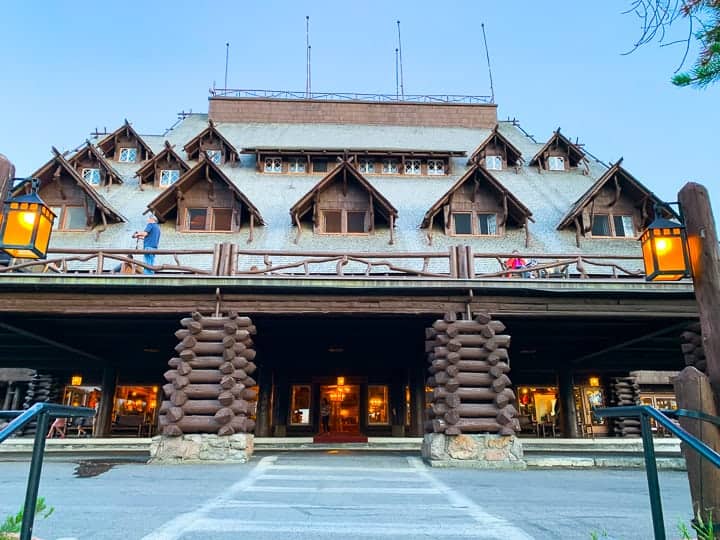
x: 487, y: 55
x: 308, y: 85
x: 397, y: 80
x: 227, y: 57
x: 402, y: 87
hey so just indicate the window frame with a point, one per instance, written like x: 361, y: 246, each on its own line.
x: 99, y: 176
x: 384, y: 389
x: 494, y: 159
x: 432, y: 167
x: 127, y: 150
x: 209, y: 219
x: 551, y: 159
x: 160, y: 178
x: 297, y: 163
x: 344, y: 222
x: 273, y: 161
x: 367, y: 166
x: 210, y: 153
x: 474, y: 223
x: 293, y: 402
x: 387, y: 166
x: 412, y: 167
x: 611, y: 216
x: 60, y: 210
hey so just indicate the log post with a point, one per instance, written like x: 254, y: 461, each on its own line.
x: 104, y: 415
x: 568, y: 412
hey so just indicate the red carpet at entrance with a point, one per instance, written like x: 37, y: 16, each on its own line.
x: 333, y: 437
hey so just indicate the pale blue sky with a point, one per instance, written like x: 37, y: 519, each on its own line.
x: 69, y: 67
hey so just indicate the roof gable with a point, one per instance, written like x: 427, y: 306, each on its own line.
x: 558, y: 141
x: 206, y: 171
x: 109, y: 144
x: 210, y: 134
x: 496, y: 140
x: 91, y: 154
x: 515, y: 209
x: 147, y: 172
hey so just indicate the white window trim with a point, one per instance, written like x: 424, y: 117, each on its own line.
x: 126, y: 151
x: 273, y: 165
x: 413, y: 167
x: 367, y: 166
x: 210, y: 154
x: 474, y: 223
x: 168, y: 182
x: 389, y: 164
x: 494, y: 162
x: 297, y: 166
x: 556, y: 160
x: 611, y: 226
x: 99, y: 176
x: 436, y: 167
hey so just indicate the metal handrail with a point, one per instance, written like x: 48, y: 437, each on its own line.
x: 43, y: 412
x: 348, y: 96
x: 645, y: 412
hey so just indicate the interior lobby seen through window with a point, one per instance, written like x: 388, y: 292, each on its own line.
x: 300, y: 405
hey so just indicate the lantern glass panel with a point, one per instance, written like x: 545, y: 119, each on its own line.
x: 19, y: 223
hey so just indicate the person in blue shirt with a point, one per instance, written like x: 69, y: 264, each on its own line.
x: 151, y: 240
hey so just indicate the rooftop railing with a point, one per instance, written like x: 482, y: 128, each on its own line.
x: 349, y: 96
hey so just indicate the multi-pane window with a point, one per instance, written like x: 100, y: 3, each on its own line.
x: 390, y: 166
x: 474, y: 223
x: 69, y: 218
x: 168, y: 177
x: 493, y: 163
x: 609, y: 225
x: 273, y: 165
x: 556, y: 163
x: 300, y: 400
x: 215, y: 156
x: 436, y: 166
x: 128, y: 155
x: 320, y: 165
x: 367, y: 166
x: 297, y: 165
x: 412, y: 166
x: 344, y: 222
x: 378, y: 404
x: 208, y: 219
x: 91, y: 176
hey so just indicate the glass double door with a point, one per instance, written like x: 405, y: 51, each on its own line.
x: 342, y: 405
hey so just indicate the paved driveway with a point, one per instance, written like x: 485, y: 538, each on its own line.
x: 348, y: 495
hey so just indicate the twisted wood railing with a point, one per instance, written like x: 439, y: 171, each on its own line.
x: 229, y: 259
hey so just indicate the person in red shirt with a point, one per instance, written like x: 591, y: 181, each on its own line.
x: 514, y: 263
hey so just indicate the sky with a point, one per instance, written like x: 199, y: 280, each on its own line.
x: 69, y: 68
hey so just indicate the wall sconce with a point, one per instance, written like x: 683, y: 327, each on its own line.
x: 594, y: 381
x: 665, y: 250
x: 341, y: 381
x: 76, y: 380
x: 25, y: 225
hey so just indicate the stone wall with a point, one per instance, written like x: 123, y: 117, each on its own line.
x: 237, y: 448
x: 476, y: 451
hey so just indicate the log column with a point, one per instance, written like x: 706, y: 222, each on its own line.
x: 103, y: 420
x: 625, y: 391
x: 262, y: 427
x: 568, y: 409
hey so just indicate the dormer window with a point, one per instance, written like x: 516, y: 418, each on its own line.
x: 168, y: 177
x: 297, y: 165
x: 390, y: 166
x: 556, y: 163
x: 436, y: 167
x: 91, y: 176
x: 208, y: 219
x: 608, y: 226
x: 493, y: 163
x: 320, y: 165
x: 412, y: 166
x: 128, y: 155
x: 69, y: 218
x: 344, y: 222
x: 273, y: 165
x: 215, y: 156
x: 474, y: 223
x: 367, y: 166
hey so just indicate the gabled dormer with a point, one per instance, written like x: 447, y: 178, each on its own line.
x: 344, y: 203
x: 616, y: 206
x: 164, y: 169
x: 124, y: 145
x: 211, y: 143
x: 204, y: 199
x: 497, y: 153
x: 476, y: 205
x: 91, y: 165
x: 77, y: 205
x: 559, y: 154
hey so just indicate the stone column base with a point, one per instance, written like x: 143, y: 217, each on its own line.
x: 203, y: 448
x: 483, y: 451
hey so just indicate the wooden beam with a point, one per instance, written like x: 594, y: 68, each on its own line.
x: 51, y: 342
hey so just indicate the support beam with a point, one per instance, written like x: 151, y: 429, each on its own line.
x: 103, y: 420
x: 568, y: 412
x: 51, y: 342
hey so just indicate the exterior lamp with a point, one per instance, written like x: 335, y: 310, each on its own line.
x: 594, y: 381
x: 665, y: 250
x: 76, y: 380
x: 25, y: 225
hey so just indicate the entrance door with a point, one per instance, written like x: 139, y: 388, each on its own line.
x: 344, y: 405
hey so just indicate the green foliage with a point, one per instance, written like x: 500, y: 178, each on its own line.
x: 705, y: 529
x: 707, y: 67
x: 12, y: 524
x: 597, y: 535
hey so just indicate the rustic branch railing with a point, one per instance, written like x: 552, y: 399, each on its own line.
x: 228, y: 259
x: 348, y: 96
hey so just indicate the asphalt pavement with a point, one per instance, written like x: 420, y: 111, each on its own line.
x: 337, y: 494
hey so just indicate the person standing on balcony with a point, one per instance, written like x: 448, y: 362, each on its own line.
x: 515, y: 262
x: 151, y: 240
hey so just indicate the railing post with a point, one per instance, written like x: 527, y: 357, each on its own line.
x: 36, y: 463
x: 652, y: 478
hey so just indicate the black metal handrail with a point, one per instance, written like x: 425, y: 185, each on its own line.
x: 43, y: 412
x: 645, y: 413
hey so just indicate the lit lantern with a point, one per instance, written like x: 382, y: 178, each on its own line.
x: 594, y: 381
x: 25, y: 226
x: 76, y: 380
x: 665, y: 252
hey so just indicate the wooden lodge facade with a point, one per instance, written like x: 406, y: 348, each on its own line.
x: 348, y: 255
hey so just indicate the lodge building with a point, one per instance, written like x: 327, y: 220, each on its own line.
x: 343, y: 228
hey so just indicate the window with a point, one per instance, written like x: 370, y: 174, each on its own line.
x: 209, y: 219
x: 273, y: 165
x: 436, y: 166
x: 344, y: 222
x: 320, y: 165
x: 412, y: 166
x: 390, y: 166
x: 487, y: 224
x: 57, y: 210
x: 168, y: 177
x: 556, y: 163
x: 300, y: 405
x: 128, y: 155
x: 462, y: 223
x: 378, y: 404
x: 367, y: 166
x: 297, y: 165
x: 72, y: 219
x: 609, y: 225
x: 493, y: 163
x: 215, y: 156
x: 91, y: 176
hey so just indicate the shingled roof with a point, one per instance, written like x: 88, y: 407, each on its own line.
x: 107, y: 145
x: 111, y: 175
x: 144, y: 172
x: 575, y: 154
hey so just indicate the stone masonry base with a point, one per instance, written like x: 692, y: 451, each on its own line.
x: 236, y: 448
x: 473, y: 451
